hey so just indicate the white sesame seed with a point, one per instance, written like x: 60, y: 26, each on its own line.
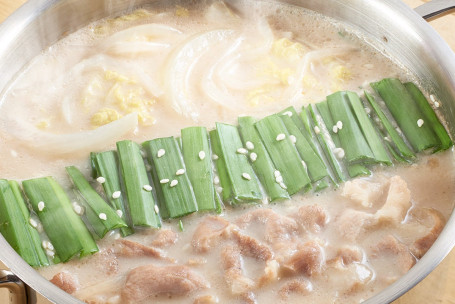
x: 50, y: 253
x: 160, y: 153
x: 293, y: 139
x: 279, y: 179
x: 280, y: 137
x: 116, y: 236
x: 77, y: 209
x: 340, y: 125
x: 44, y: 244
x: 214, y: 157
x: 103, y: 216
x: 41, y: 206
x: 147, y: 188
x: 249, y: 145
x: 420, y: 123
x: 288, y: 113
x: 174, y: 183
x: 432, y: 98
x: 327, y: 137
x: 282, y: 185
x: 253, y: 156
x: 33, y: 223
x: 317, y: 130
x: 246, y: 176
x: 376, y: 119
x: 180, y: 172
x: 219, y: 189
x: 157, y: 209
x: 387, y: 139
x: 304, y: 164
x: 398, y: 130
x: 335, y: 129
x: 50, y: 246
x: 116, y: 194
x: 368, y: 110
x: 242, y: 151
x: 164, y: 181
x: 216, y: 180
x: 436, y: 104
x: 101, y: 180
x: 277, y: 173
x: 339, y: 152
x: 119, y: 213
x: 201, y: 155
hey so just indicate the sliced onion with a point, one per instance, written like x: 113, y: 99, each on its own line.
x: 160, y: 31
x: 103, y: 62
x: 75, y: 143
x: 135, y: 48
x: 293, y: 92
x: 180, y: 64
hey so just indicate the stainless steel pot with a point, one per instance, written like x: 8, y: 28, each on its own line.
x: 388, y: 24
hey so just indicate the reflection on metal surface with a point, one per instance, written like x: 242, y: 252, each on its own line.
x: 16, y: 287
x: 435, y: 9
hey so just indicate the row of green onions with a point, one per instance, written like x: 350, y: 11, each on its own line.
x: 270, y: 159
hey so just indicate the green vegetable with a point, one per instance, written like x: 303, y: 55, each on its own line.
x: 107, y: 167
x: 243, y: 181
x: 325, y: 141
x: 226, y: 188
x: 65, y: 229
x: 194, y: 140
x: 260, y: 160
x: 401, y: 146
x: 165, y: 155
x: 430, y: 116
x: 141, y: 201
x: 352, y: 140
x: 15, y: 225
x: 368, y: 130
x: 283, y: 154
x: 407, y: 114
x: 105, y: 218
x: 317, y: 170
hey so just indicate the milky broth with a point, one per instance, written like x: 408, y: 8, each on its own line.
x: 199, y: 64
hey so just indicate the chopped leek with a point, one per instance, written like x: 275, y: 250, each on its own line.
x: 15, y: 225
x: 243, y: 181
x: 165, y: 155
x: 107, y: 171
x: 260, y: 160
x: 430, y: 116
x: 65, y: 229
x: 407, y: 114
x: 141, y: 202
x: 317, y: 170
x: 402, y: 147
x: 283, y: 154
x: 105, y: 218
x: 352, y: 140
x: 194, y: 140
x: 226, y: 188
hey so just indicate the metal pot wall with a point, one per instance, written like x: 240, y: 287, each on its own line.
x: 388, y: 24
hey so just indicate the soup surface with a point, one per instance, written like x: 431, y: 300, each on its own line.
x: 156, y: 70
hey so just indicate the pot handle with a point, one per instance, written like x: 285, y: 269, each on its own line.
x: 435, y: 9
x: 18, y: 293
